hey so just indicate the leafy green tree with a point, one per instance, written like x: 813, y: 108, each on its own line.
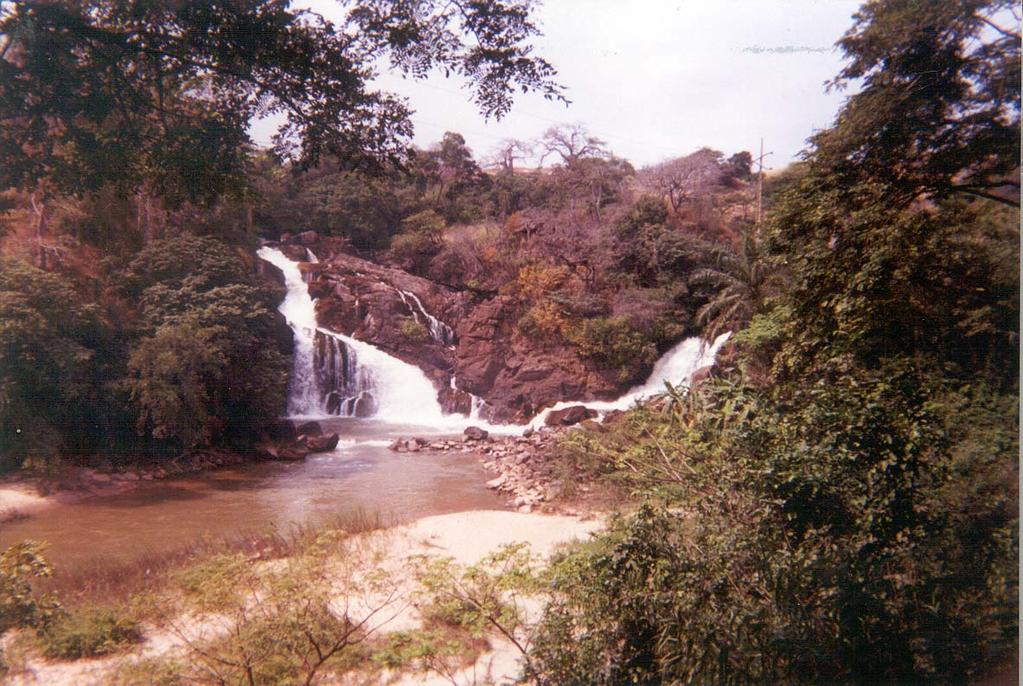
x: 210, y: 366
x: 854, y: 520
x: 938, y: 111
x: 52, y: 354
x: 420, y: 239
x: 165, y: 91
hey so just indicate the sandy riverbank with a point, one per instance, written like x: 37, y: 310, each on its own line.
x: 466, y: 537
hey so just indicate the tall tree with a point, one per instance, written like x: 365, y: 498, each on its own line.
x: 683, y: 178
x: 160, y: 93
x: 939, y: 108
x: 570, y: 142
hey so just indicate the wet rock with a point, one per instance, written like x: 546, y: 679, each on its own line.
x: 322, y: 444
x: 365, y: 405
x: 454, y: 401
x: 308, y: 238
x: 474, y: 433
x: 312, y: 428
x: 570, y: 415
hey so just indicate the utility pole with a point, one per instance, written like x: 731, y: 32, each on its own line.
x: 760, y: 185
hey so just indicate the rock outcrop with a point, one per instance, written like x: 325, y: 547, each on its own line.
x: 517, y: 375
x: 477, y: 343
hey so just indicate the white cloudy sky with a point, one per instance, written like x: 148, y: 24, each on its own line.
x: 661, y: 78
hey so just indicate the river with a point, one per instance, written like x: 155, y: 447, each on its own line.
x: 332, y: 374
x: 360, y: 474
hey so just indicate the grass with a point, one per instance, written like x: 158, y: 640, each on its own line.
x: 105, y: 583
x: 90, y: 632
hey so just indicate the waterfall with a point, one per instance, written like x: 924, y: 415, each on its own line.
x: 304, y: 397
x: 477, y: 404
x: 439, y: 331
x: 339, y: 375
x: 676, y: 366
x: 310, y: 257
x: 335, y: 374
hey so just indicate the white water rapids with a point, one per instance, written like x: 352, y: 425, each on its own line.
x: 400, y: 392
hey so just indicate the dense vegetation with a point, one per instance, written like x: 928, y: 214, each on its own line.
x: 841, y: 504
x: 133, y: 322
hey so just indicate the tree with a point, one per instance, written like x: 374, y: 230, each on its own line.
x: 159, y: 95
x: 570, y: 142
x: 508, y: 151
x: 209, y: 365
x: 938, y: 112
x: 739, y: 282
x: 682, y: 179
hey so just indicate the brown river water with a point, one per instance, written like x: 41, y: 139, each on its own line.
x: 360, y: 474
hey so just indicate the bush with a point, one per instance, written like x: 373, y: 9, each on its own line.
x: 613, y: 344
x: 543, y: 321
x: 859, y: 531
x: 89, y: 632
x: 414, y: 331
x: 21, y: 604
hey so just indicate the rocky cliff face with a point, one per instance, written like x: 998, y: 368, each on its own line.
x: 478, y: 344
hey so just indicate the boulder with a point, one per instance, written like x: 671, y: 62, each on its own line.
x: 308, y: 238
x: 570, y: 415
x: 454, y: 401
x: 322, y: 443
x: 309, y: 429
x: 474, y: 433
x: 365, y: 405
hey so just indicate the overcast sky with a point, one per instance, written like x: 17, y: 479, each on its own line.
x: 661, y: 78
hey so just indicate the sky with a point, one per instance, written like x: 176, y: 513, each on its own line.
x: 657, y: 79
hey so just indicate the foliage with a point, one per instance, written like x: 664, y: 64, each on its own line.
x: 739, y: 285
x: 805, y: 545
x: 420, y: 238
x: 291, y: 623
x: 842, y: 506
x: 938, y: 111
x: 612, y: 343
x: 484, y: 597
x: 52, y: 350
x: 163, y: 93
x: 535, y: 281
x: 21, y: 604
x: 209, y: 368
x: 88, y: 633
x: 544, y: 321
x: 413, y: 331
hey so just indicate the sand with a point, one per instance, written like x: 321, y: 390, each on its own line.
x: 467, y: 537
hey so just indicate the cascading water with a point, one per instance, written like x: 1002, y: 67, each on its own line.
x: 339, y: 375
x: 677, y: 367
x: 336, y: 374
x: 439, y: 331
x: 304, y: 397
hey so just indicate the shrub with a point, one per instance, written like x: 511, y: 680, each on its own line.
x: 536, y: 281
x: 858, y: 531
x: 21, y: 604
x: 414, y: 331
x: 613, y: 344
x: 89, y: 632
x: 543, y: 321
